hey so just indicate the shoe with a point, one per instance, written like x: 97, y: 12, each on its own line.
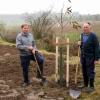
x: 39, y: 77
x: 88, y: 89
x: 91, y: 89
x: 85, y: 89
x: 24, y: 84
x: 43, y: 81
x: 82, y: 86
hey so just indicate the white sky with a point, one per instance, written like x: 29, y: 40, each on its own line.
x: 31, y: 6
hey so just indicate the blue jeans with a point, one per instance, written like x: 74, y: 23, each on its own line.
x: 25, y: 62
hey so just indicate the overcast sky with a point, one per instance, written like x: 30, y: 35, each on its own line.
x: 31, y: 6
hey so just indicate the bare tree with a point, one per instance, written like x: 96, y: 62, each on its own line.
x: 41, y: 24
x: 66, y: 17
x: 63, y: 20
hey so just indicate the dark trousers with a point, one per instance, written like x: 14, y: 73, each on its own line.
x: 25, y: 62
x: 88, y: 68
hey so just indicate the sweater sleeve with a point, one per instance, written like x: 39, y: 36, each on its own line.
x: 96, y: 48
x: 19, y: 44
x: 81, y: 36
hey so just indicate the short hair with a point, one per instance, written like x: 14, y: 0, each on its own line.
x: 24, y: 25
x: 88, y: 23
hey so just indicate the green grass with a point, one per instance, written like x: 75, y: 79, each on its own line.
x: 6, y: 43
x: 72, y: 36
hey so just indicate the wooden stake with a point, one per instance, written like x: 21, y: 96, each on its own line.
x: 67, y: 64
x: 76, y: 73
x: 56, y: 67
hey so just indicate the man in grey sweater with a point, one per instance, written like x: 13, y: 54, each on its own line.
x: 26, y: 45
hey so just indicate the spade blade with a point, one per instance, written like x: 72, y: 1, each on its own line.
x: 74, y: 93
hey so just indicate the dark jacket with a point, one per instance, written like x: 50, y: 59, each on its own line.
x: 91, y: 47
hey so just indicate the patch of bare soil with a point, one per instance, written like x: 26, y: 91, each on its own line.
x: 11, y: 73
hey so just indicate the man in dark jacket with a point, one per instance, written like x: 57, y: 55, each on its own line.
x: 26, y: 44
x: 89, y: 56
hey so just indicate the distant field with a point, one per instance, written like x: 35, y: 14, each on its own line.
x: 74, y: 34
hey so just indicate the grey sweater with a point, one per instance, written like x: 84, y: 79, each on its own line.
x: 23, y: 41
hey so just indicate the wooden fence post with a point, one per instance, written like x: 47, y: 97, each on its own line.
x: 56, y: 67
x: 67, y: 64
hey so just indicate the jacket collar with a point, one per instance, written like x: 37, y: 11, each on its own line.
x: 25, y: 34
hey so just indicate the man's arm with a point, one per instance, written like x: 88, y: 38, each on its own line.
x: 19, y: 44
x: 96, y: 48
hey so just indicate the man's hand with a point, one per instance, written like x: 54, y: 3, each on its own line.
x: 79, y: 43
x: 33, y: 51
x: 96, y: 62
x: 30, y: 48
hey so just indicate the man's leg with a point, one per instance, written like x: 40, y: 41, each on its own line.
x: 40, y: 61
x: 84, y: 71
x: 25, y: 61
x: 91, y: 74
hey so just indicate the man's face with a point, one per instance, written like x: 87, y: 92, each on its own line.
x: 25, y: 29
x: 86, y: 28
